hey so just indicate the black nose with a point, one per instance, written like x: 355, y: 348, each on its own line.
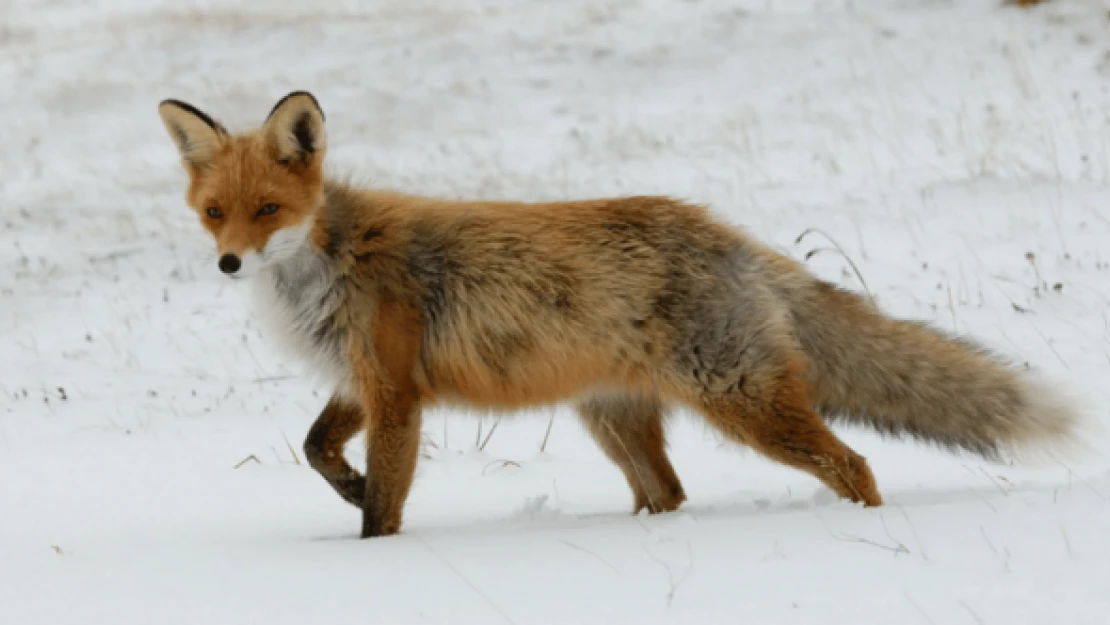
x: 229, y: 263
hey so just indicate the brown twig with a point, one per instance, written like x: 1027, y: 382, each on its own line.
x: 296, y: 459
x: 248, y: 459
x: 492, y: 429
x: 550, y: 422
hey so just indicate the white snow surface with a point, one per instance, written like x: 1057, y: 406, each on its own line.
x: 957, y: 151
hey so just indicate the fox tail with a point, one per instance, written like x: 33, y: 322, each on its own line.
x: 905, y: 378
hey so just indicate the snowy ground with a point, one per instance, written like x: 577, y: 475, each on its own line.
x: 958, y: 151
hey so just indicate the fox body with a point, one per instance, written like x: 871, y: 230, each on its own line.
x: 624, y: 307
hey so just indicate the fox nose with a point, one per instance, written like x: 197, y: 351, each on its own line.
x: 229, y: 263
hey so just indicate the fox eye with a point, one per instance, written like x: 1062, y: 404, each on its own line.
x: 267, y: 209
x: 214, y: 212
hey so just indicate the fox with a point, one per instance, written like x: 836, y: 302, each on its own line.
x: 625, y: 308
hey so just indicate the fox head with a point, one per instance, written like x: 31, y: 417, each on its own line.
x: 257, y: 193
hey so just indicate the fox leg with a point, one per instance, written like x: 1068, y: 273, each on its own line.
x: 394, y: 446
x: 629, y: 429
x: 338, y: 423
x: 776, y: 419
x: 392, y: 401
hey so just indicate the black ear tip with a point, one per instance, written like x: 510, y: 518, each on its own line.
x: 189, y: 108
x: 294, y: 94
x: 302, y: 92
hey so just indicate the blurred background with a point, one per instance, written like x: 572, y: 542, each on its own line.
x: 951, y: 157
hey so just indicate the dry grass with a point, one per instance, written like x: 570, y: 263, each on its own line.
x: 840, y: 250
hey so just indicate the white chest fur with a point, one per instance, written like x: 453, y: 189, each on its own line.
x: 298, y: 299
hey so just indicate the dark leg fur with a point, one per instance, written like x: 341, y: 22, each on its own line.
x: 339, y: 422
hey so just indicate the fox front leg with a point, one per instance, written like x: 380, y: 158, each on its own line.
x: 393, y: 449
x: 338, y: 423
x: 392, y: 402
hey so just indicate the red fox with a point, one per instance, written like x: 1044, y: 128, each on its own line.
x: 624, y: 307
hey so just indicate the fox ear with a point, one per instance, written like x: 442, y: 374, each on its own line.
x: 294, y: 131
x: 198, y: 136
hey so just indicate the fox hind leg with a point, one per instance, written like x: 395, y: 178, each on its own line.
x: 338, y: 423
x: 780, y: 424
x: 629, y: 429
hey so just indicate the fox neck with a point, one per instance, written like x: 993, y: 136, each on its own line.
x: 300, y: 251
x: 302, y: 263
x: 303, y: 273
x: 297, y: 298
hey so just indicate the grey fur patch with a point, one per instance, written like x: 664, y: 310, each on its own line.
x: 299, y: 298
x: 431, y: 266
x: 727, y: 321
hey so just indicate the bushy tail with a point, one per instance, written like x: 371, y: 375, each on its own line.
x: 907, y: 379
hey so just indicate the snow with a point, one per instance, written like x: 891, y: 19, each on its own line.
x: 150, y: 466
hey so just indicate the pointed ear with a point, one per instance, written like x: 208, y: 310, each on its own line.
x: 294, y: 131
x: 198, y: 136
